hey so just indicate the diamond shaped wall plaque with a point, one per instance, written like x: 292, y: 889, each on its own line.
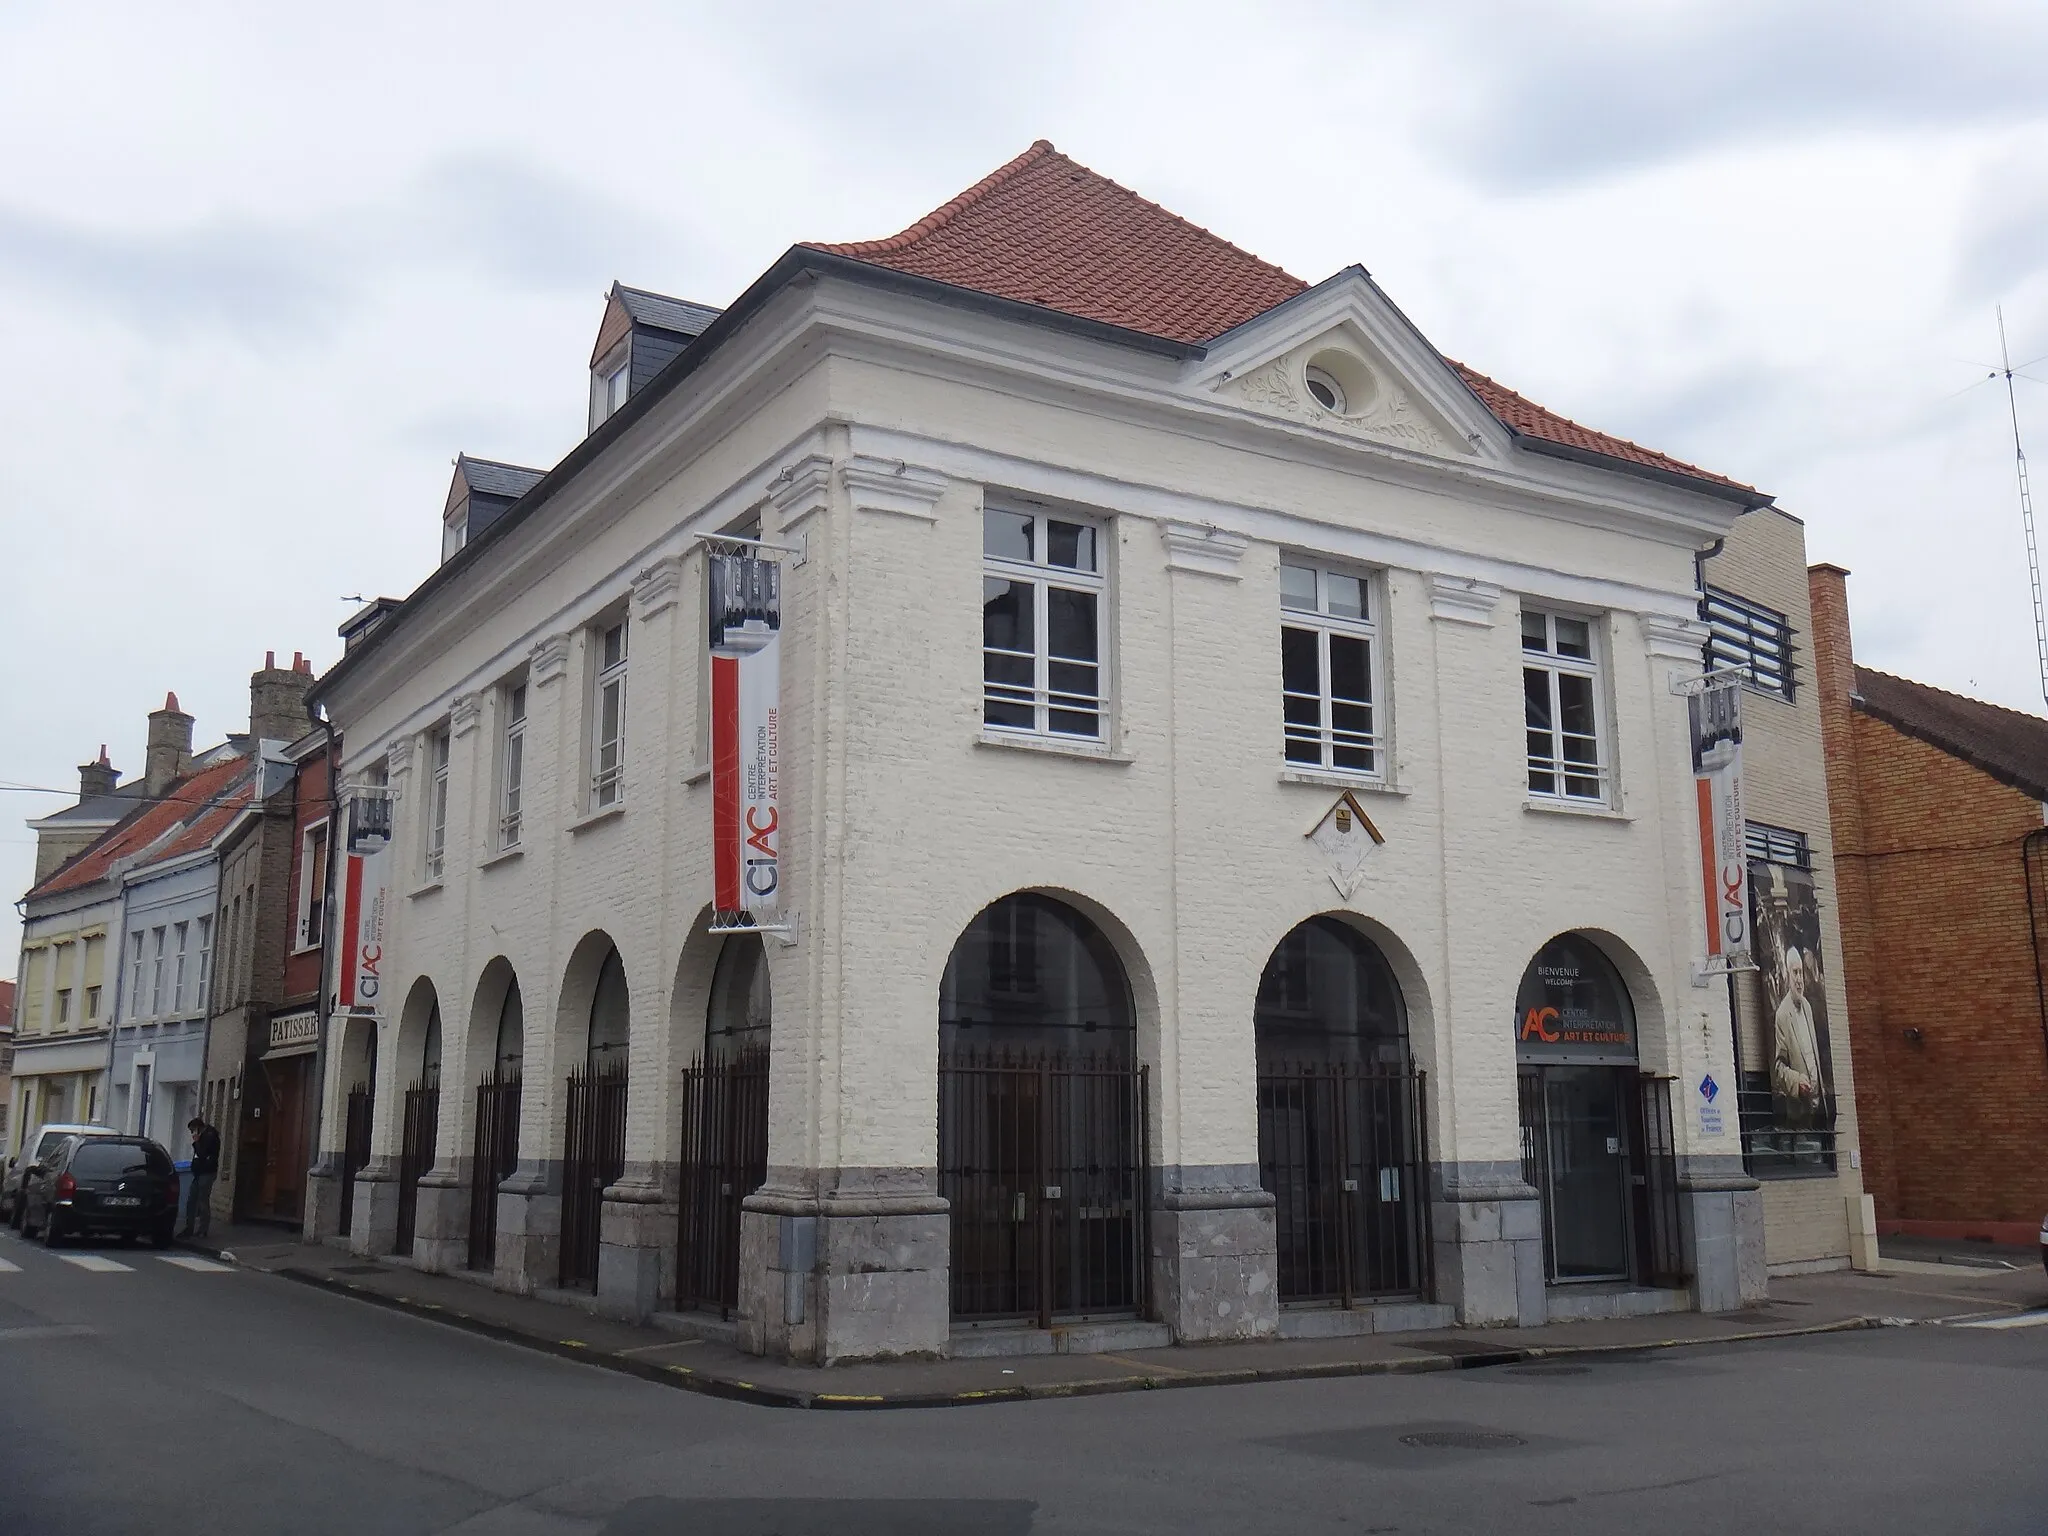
x: 1346, y: 838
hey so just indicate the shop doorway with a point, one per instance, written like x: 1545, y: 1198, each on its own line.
x: 1042, y: 1119
x: 272, y: 1161
x: 1596, y: 1130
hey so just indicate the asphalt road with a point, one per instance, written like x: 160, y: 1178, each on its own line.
x: 156, y: 1397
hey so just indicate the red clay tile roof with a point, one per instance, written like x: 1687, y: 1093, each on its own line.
x: 1045, y: 230
x: 195, y: 799
x: 2008, y: 744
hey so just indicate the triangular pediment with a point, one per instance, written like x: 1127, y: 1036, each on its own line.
x: 1342, y: 359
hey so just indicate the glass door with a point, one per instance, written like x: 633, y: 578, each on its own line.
x: 1581, y: 1152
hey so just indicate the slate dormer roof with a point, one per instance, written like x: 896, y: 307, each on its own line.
x: 491, y: 478
x: 630, y: 310
x: 1046, y: 230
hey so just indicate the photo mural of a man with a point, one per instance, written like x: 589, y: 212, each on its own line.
x: 1788, y: 956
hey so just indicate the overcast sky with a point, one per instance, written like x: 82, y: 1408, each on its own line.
x: 264, y: 271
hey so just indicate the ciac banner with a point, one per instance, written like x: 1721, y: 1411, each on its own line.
x: 365, y: 898
x: 1715, y: 712
x: 746, y: 728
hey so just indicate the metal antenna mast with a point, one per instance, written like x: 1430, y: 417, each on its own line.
x: 2026, y: 506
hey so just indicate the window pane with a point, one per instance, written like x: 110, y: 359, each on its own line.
x: 1067, y: 722
x: 1070, y: 624
x: 614, y: 646
x: 1006, y: 535
x: 1575, y: 704
x: 1071, y: 682
x: 1347, y: 595
x: 1006, y: 621
x: 1574, y: 638
x: 1350, y: 669
x: 1071, y: 545
x: 1298, y: 588
x: 1300, y: 666
x: 608, y: 713
x: 1535, y: 633
x: 1351, y: 736
x: 516, y: 706
x: 996, y: 712
x: 1536, y: 699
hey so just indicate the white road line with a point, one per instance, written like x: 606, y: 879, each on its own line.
x: 7, y: 1267
x: 2019, y: 1320
x: 97, y: 1263
x: 198, y: 1266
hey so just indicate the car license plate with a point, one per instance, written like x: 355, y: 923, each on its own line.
x: 122, y: 1200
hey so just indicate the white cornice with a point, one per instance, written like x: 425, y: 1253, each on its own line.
x: 398, y: 755
x: 1677, y: 636
x: 548, y: 660
x: 799, y: 492
x: 463, y: 713
x: 658, y: 588
x: 892, y: 486
x: 1462, y: 599
x: 1207, y: 551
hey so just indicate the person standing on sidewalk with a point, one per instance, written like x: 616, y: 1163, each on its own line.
x: 205, y: 1166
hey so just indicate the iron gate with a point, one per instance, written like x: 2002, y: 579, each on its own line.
x: 1653, y: 1184
x: 594, y: 1156
x: 725, y: 1159
x: 355, y: 1151
x: 1344, y: 1151
x: 415, y: 1157
x: 1042, y: 1158
x: 494, y: 1153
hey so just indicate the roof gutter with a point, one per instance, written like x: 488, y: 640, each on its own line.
x: 1742, y: 496
x: 797, y: 262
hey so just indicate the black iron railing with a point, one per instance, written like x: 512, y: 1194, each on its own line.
x: 593, y: 1157
x: 1772, y: 1148
x: 1344, y: 1150
x: 494, y: 1153
x: 1653, y: 1182
x: 724, y: 1159
x: 415, y: 1157
x: 355, y: 1150
x: 1042, y: 1158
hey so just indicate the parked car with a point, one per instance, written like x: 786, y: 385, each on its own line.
x: 47, y: 1140
x: 125, y: 1185
x: 2044, y: 1242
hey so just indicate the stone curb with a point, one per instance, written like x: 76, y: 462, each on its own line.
x: 736, y: 1390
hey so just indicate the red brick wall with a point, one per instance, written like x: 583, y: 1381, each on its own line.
x: 302, y: 971
x: 1935, y: 939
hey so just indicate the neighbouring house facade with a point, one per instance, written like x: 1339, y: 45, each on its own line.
x: 1220, y: 848
x: 1791, y: 1011
x: 6, y: 1058
x: 1940, y: 808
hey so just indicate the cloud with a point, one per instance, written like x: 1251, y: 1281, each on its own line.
x: 498, y: 217
x: 1551, y: 99
x: 2004, y: 241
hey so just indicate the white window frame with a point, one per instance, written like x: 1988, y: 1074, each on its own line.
x: 1325, y: 626
x: 135, y: 974
x: 611, y: 383
x: 1044, y: 577
x: 156, y: 977
x: 205, y: 963
x: 434, y: 813
x: 1563, y: 771
x: 607, y: 780
x: 63, y: 1007
x: 514, y: 701
x: 184, y: 938
x: 305, y: 936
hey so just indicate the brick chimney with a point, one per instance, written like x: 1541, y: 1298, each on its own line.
x: 97, y: 778
x: 170, y: 747
x: 277, y: 699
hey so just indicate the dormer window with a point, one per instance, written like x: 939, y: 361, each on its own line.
x: 610, y: 382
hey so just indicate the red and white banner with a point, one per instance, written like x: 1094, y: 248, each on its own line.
x: 746, y: 730
x: 1715, y: 713
x: 365, y: 900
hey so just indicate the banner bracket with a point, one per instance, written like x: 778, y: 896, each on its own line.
x: 1704, y: 971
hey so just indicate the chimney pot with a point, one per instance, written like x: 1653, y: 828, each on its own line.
x: 269, y: 660
x: 277, y: 702
x: 96, y: 778
x: 169, y: 755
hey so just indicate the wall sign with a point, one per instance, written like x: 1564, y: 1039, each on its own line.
x: 1714, y: 712
x: 365, y: 898
x: 1573, y: 1008
x: 294, y: 1032
x: 745, y: 611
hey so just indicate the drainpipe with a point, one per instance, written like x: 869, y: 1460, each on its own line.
x: 2034, y: 928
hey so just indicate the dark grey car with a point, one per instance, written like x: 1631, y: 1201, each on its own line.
x: 126, y: 1186
x: 40, y: 1149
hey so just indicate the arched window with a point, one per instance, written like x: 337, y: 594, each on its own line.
x: 511, y: 1047
x: 1574, y: 1007
x: 1328, y: 995
x: 1031, y: 973
x: 610, y: 1015
x: 737, y: 1021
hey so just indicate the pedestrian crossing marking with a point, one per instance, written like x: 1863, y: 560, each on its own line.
x: 7, y: 1268
x: 2019, y: 1320
x: 96, y: 1263
x: 198, y: 1266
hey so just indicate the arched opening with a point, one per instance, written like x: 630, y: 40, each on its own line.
x: 1042, y: 1111
x: 725, y: 1126
x: 1341, y: 1143
x: 419, y: 1044
x: 497, y: 1050
x: 359, y: 1099
x: 1596, y: 1132
x: 594, y: 1147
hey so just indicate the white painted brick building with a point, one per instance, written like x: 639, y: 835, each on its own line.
x: 1049, y: 348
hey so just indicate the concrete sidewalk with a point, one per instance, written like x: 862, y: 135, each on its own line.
x: 1904, y: 1293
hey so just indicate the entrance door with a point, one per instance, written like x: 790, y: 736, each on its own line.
x: 1580, y: 1137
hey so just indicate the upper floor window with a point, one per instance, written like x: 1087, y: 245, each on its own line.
x: 511, y: 763
x: 437, y: 803
x: 1777, y: 845
x: 312, y: 885
x: 156, y: 981
x: 136, y: 1007
x: 1329, y: 649
x: 1748, y: 638
x: 92, y: 1003
x: 205, y: 963
x: 610, y: 382
x: 1043, y: 601
x: 608, y: 717
x: 184, y: 936
x: 1561, y: 704
x: 63, y: 1006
